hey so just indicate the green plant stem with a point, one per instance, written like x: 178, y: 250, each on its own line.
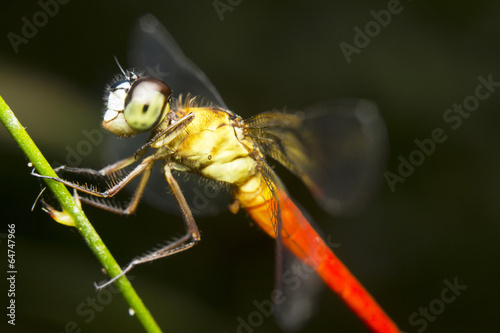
x: 82, y: 223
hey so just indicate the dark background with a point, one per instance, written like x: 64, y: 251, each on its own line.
x: 442, y: 223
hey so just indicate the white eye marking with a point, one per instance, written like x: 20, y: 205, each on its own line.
x: 116, y: 98
x: 110, y: 115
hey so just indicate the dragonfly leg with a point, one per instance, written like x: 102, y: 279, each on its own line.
x: 102, y: 172
x: 112, y: 190
x: 190, y: 239
x: 118, y: 165
x: 132, y: 204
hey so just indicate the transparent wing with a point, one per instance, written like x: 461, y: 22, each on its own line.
x: 300, y: 301
x: 297, y: 282
x: 337, y: 148
x: 153, y: 49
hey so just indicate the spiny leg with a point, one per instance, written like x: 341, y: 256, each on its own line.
x: 111, y: 191
x: 64, y: 218
x: 107, y: 170
x: 187, y: 241
x: 102, y: 172
x: 132, y: 204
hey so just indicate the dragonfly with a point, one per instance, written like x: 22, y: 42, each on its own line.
x: 335, y: 148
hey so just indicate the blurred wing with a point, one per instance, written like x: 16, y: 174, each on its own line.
x: 337, y: 148
x: 298, y: 283
x: 301, y: 293
x: 153, y: 49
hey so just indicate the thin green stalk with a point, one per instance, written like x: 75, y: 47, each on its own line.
x: 83, y: 225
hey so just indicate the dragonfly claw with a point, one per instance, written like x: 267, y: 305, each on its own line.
x: 34, y: 173
x: 113, y: 279
x: 61, y: 216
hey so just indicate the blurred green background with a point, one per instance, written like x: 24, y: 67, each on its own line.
x: 442, y: 223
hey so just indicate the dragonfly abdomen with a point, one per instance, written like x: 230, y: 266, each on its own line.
x: 302, y: 240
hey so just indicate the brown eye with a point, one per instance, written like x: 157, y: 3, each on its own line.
x: 147, y: 103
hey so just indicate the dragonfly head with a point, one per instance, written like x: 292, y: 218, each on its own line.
x: 136, y: 104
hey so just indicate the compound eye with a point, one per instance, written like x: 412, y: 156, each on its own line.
x: 147, y: 103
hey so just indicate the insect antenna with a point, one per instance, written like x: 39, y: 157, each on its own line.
x: 125, y: 74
